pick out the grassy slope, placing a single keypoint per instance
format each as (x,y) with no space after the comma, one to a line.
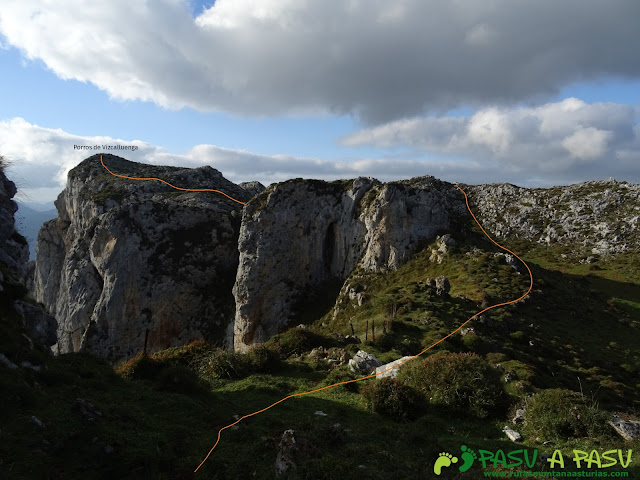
(156,431)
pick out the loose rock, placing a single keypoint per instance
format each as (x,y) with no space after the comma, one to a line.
(364,363)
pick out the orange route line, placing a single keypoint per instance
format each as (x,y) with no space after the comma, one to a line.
(466,199)
(172,186)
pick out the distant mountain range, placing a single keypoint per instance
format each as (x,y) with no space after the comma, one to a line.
(29,219)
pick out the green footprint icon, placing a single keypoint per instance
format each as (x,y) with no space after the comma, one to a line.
(444,460)
(468,457)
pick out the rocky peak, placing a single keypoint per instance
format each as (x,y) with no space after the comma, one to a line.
(254,188)
(127,256)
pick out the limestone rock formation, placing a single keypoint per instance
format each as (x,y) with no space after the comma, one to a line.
(125,256)
(299,236)
(253,188)
(14,252)
(14,255)
(627,429)
(602,216)
(393,365)
(364,363)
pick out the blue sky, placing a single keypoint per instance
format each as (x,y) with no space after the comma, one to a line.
(276,89)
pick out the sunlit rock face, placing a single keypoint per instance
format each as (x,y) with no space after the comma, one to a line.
(301,235)
(126,256)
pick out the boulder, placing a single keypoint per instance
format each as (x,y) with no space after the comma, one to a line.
(512,434)
(6,362)
(442,285)
(391,373)
(519,416)
(364,363)
(286,453)
(627,429)
(86,410)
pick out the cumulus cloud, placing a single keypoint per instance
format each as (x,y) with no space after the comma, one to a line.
(377,59)
(562,142)
(567,140)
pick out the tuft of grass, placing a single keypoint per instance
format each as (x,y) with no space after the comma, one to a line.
(559,414)
(296,341)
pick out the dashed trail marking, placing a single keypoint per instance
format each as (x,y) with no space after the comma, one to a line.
(172,186)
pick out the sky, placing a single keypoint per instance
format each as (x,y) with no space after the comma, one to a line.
(535,92)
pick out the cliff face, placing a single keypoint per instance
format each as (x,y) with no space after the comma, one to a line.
(14,251)
(14,254)
(125,256)
(303,234)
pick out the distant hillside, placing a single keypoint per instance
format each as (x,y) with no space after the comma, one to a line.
(28,223)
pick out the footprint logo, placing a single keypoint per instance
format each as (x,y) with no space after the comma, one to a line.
(468,456)
(444,460)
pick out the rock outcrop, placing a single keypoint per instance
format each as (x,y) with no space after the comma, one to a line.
(301,235)
(600,216)
(14,255)
(14,251)
(382,372)
(125,256)
(364,363)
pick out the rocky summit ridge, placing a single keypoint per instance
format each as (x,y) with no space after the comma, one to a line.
(126,257)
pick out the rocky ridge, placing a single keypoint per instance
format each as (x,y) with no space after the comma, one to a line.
(602,217)
(126,256)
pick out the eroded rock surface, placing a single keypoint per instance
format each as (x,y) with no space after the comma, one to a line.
(125,256)
(14,255)
(302,236)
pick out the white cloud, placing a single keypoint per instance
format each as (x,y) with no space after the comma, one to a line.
(587,143)
(565,140)
(373,58)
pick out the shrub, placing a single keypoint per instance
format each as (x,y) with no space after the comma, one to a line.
(262,359)
(141,367)
(187,355)
(393,398)
(295,341)
(459,380)
(342,374)
(221,363)
(560,414)
(385,342)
